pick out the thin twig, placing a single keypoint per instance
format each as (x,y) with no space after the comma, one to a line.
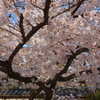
(37,6)
(10,32)
(65,10)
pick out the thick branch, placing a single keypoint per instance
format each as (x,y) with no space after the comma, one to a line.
(20,45)
(70,59)
(16,50)
(21,26)
(3,63)
(63,79)
(3,69)
(46,11)
(72,76)
(17,76)
(6,68)
(35,93)
(48,91)
(78,5)
(33,31)
(7,65)
(42,86)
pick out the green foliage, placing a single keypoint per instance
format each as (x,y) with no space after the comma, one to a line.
(94,96)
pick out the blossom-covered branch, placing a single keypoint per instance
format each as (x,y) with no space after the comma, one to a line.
(8,64)
(69,62)
(33,31)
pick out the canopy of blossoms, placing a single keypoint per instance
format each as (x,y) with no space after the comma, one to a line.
(42,41)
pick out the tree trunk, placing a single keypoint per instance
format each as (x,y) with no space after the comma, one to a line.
(49,95)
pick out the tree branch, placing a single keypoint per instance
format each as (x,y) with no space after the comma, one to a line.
(64,70)
(16,50)
(63,79)
(65,10)
(48,91)
(46,11)
(35,93)
(37,6)
(7,65)
(78,5)
(6,68)
(33,31)
(9,32)
(71,58)
(21,26)
(3,63)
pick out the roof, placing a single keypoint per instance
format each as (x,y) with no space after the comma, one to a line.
(15,93)
(25,93)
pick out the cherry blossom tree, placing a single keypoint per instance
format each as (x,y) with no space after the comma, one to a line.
(44,42)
